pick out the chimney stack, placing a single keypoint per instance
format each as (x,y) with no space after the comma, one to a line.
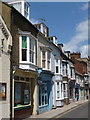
(75,55)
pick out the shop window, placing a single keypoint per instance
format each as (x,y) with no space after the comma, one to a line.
(22,93)
(2,91)
(24,48)
(43,95)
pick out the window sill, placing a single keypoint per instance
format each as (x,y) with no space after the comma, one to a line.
(43,106)
(22,106)
(59,99)
(26,62)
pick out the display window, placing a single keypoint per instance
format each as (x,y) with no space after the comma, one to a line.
(43,94)
(22,93)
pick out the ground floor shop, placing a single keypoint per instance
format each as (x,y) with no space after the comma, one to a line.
(57,88)
(24,90)
(45,91)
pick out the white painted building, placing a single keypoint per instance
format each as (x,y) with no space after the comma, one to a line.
(56,67)
(5,49)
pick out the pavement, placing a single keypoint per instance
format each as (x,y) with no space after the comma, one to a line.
(60,110)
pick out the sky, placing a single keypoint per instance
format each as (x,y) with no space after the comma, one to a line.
(68,21)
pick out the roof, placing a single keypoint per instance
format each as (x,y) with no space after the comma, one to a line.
(79,73)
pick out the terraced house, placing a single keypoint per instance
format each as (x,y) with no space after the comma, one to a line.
(40,74)
(23,62)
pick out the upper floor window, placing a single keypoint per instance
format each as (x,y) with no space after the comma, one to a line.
(46,56)
(26,10)
(27,49)
(31,50)
(57,66)
(64,69)
(43,59)
(57,71)
(24,48)
(48,60)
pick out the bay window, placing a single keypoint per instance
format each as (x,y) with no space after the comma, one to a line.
(31,46)
(27,49)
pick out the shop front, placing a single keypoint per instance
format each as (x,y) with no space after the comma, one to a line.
(24,85)
(45,92)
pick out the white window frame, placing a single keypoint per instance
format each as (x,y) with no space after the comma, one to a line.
(44,94)
(46,60)
(28,54)
(57,65)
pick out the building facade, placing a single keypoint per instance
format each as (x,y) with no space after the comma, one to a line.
(23,63)
(5,50)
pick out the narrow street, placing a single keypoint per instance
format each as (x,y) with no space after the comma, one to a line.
(77,112)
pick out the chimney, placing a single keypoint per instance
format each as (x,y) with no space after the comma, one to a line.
(60,46)
(75,55)
(67,53)
(53,39)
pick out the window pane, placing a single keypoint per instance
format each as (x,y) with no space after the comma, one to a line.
(58,94)
(43,63)
(56,69)
(43,55)
(24,55)
(24,42)
(32,57)
(46,101)
(43,100)
(48,65)
(26,93)
(48,55)
(17,93)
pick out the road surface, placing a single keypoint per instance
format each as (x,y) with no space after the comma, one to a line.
(80,111)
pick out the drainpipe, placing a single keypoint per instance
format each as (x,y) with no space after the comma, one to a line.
(11,69)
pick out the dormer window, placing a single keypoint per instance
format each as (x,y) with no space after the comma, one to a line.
(26,10)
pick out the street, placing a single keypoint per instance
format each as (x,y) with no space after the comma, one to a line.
(78,112)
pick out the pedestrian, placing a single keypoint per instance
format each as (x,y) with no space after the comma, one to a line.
(77,96)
